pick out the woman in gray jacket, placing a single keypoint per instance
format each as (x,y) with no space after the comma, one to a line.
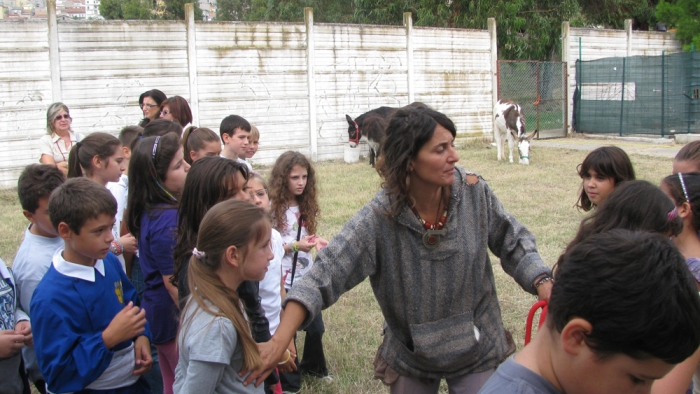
(423,241)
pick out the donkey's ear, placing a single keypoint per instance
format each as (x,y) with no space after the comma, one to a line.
(350,121)
(532,135)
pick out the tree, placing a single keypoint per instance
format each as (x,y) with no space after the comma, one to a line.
(111,9)
(175,9)
(325,11)
(231,10)
(684,15)
(126,9)
(527,29)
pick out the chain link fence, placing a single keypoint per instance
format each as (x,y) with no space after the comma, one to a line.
(540,89)
(658,95)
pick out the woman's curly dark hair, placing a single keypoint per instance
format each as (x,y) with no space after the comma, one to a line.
(409,129)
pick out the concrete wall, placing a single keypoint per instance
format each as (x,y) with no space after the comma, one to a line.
(295,81)
(592,44)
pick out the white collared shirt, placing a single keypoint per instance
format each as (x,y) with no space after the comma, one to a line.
(74,270)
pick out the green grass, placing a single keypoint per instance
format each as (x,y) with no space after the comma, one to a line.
(541,196)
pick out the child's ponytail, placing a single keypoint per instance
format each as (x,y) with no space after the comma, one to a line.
(195,138)
(102,145)
(229,223)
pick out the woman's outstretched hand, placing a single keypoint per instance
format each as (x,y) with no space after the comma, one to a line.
(270,352)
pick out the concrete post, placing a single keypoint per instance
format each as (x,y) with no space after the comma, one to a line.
(567,61)
(54,58)
(408,24)
(628,29)
(192,61)
(494,65)
(313,139)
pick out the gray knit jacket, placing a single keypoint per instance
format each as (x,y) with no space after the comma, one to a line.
(431,299)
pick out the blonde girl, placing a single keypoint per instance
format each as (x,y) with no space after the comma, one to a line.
(272,290)
(215,341)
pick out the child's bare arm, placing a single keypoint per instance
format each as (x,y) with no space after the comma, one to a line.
(172,290)
(127,324)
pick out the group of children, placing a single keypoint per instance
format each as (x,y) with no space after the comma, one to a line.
(116,280)
(625,305)
(165,249)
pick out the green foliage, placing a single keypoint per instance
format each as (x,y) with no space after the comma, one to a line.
(127,9)
(175,9)
(337,11)
(527,29)
(111,9)
(612,13)
(684,15)
(231,10)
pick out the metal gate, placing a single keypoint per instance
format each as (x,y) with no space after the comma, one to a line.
(541,90)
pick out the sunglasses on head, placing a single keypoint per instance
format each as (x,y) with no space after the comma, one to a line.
(60,117)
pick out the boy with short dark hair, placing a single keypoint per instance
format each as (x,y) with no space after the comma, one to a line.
(234,131)
(623,311)
(35,185)
(89,333)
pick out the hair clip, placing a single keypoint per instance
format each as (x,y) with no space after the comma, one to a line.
(685,191)
(198,254)
(155,148)
(673,214)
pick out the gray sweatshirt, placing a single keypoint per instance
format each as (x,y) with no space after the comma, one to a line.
(431,299)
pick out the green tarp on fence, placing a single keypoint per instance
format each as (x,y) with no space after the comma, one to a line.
(656,95)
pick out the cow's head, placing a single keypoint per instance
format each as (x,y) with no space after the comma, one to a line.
(353,132)
(524,147)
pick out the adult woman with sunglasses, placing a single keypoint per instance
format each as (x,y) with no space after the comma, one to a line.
(59,138)
(150,103)
(177,110)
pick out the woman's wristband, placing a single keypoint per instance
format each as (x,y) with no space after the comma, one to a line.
(542,280)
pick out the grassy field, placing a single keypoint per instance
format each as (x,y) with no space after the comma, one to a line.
(541,195)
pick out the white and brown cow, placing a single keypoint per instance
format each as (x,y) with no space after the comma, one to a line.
(509,124)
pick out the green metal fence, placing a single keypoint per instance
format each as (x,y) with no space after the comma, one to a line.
(656,95)
(540,89)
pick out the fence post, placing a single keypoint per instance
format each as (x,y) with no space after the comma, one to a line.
(628,30)
(565,58)
(311,83)
(622,98)
(663,92)
(408,24)
(494,62)
(54,58)
(192,61)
